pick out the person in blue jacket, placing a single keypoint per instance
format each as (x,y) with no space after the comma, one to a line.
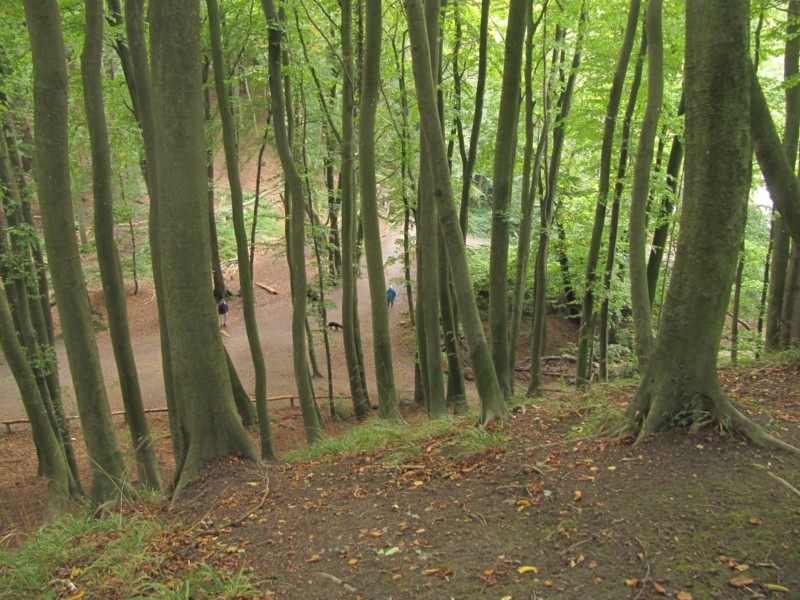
(391,294)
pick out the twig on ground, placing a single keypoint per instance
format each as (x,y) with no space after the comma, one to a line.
(250,511)
(338,581)
(780,480)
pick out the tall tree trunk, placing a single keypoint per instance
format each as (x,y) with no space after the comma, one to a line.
(492,402)
(640,186)
(456,394)
(503,178)
(53,180)
(428,257)
(664,222)
(477,116)
(790,311)
(782,184)
(36,329)
(613,226)
(297,237)
(134,27)
(107,253)
(531,168)
(240,231)
(548,210)
(204,400)
(681,377)
(780,235)
(348,201)
(220,290)
(382,346)
(583,369)
(778,266)
(52,459)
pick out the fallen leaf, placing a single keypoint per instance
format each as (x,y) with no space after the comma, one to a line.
(683,596)
(444,572)
(254,483)
(659,588)
(576,497)
(76,595)
(612,468)
(397,577)
(593,564)
(352,562)
(632,582)
(741,581)
(756,521)
(742,567)
(774,587)
(314,558)
(76,572)
(527,569)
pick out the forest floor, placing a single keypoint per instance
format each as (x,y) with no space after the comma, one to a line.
(543,506)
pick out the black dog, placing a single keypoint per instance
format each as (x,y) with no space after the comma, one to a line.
(334,326)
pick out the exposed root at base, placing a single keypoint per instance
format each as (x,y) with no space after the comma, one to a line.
(724,412)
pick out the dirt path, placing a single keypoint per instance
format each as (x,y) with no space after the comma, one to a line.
(273,313)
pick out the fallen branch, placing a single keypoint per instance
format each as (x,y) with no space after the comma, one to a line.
(118,413)
(742,323)
(338,581)
(267,288)
(780,480)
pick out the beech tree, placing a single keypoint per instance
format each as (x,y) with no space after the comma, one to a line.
(504,156)
(384,369)
(107,253)
(237,202)
(615,97)
(640,186)
(295,201)
(52,459)
(493,404)
(206,413)
(54,190)
(680,381)
(348,206)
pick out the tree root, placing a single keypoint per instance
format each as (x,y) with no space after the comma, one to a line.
(780,480)
(722,410)
(729,416)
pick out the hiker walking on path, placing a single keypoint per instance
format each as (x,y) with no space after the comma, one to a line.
(391,294)
(222,310)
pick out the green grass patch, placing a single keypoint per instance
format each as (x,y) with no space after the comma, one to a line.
(374,435)
(406,440)
(117,556)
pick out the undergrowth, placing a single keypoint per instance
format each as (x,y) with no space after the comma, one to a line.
(113,557)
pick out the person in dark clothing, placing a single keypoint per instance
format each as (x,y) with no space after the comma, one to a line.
(222,309)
